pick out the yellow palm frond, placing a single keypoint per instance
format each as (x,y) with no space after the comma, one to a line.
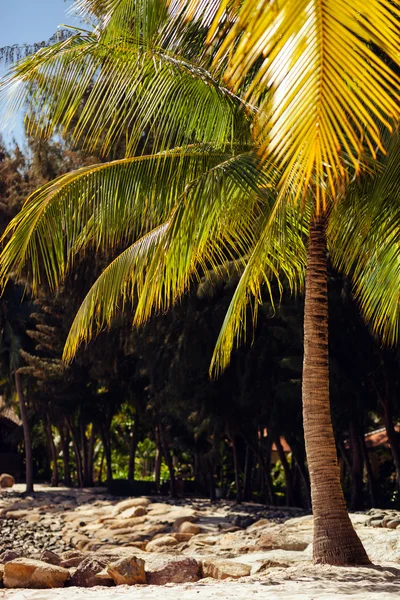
(324,74)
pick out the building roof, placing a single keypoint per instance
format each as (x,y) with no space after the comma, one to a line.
(8,413)
(378,437)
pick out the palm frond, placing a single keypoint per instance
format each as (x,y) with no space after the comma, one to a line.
(327,76)
(124,18)
(103,206)
(280,249)
(111,291)
(364,243)
(103,93)
(202,233)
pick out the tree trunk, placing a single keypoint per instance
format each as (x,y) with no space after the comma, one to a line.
(64,436)
(53,450)
(27,434)
(357,468)
(101,468)
(157,465)
(107,453)
(370,473)
(133,446)
(78,459)
(392,435)
(90,458)
(298,458)
(335,540)
(168,460)
(248,470)
(286,468)
(84,448)
(236,468)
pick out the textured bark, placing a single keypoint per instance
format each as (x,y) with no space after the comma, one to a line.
(27,434)
(335,540)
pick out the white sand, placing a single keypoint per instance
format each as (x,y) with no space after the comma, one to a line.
(303,582)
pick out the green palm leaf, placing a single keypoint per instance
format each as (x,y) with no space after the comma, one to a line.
(102,206)
(203,233)
(364,242)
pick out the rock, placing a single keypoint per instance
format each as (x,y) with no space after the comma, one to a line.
(79,541)
(183,537)
(138,545)
(187,570)
(86,573)
(203,540)
(162,543)
(393,524)
(376,522)
(123,523)
(222,569)
(270,564)
(130,503)
(158,508)
(6,480)
(280,542)
(127,571)
(185,519)
(104,578)
(133,511)
(30,573)
(1,575)
(9,555)
(50,557)
(188,527)
(73,558)
(258,524)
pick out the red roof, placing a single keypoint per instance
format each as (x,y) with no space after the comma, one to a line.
(374,439)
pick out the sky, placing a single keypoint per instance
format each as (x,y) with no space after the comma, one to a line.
(26,22)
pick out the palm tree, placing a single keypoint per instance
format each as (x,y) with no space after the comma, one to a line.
(316,95)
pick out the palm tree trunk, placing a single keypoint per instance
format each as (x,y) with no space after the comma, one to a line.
(335,540)
(27,434)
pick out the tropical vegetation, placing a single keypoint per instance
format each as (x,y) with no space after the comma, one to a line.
(243,135)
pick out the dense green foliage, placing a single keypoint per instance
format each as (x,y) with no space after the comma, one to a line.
(133,396)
